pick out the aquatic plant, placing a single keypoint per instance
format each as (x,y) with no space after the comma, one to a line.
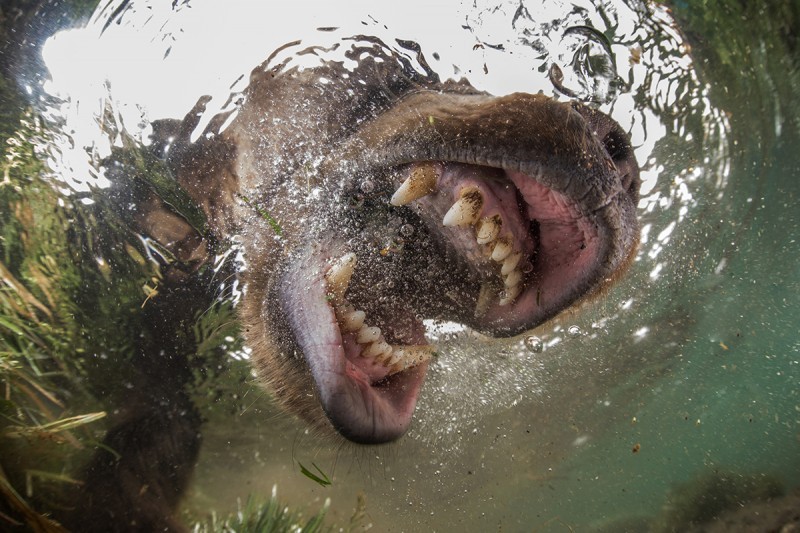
(269,516)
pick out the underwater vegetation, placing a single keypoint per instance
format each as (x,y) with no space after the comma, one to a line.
(84,299)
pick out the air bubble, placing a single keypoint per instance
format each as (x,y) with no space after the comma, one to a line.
(574,331)
(406,230)
(534,344)
(526,267)
(367,186)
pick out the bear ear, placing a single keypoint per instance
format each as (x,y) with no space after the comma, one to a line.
(171,137)
(202,168)
(182,190)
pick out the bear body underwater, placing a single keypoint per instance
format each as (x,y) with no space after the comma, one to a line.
(372,197)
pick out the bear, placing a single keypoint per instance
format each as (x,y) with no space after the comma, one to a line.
(368,196)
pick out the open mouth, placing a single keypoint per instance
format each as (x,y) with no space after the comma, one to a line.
(504,248)
(524,252)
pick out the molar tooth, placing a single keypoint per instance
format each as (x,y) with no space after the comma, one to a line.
(510,294)
(513,278)
(466,210)
(420,182)
(510,263)
(350,322)
(338,276)
(501,249)
(391,361)
(376,349)
(488,229)
(368,334)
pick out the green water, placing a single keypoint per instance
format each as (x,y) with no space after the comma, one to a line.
(689,366)
(716,384)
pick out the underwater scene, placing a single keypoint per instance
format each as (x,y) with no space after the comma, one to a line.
(474,266)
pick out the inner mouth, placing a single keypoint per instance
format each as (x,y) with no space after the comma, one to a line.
(514,252)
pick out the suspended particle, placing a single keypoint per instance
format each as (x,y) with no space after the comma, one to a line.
(367,186)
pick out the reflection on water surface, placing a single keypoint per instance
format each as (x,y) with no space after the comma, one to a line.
(685,369)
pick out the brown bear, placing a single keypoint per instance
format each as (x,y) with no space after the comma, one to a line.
(369,195)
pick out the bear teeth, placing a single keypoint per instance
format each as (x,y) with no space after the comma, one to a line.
(352,320)
(466,212)
(500,247)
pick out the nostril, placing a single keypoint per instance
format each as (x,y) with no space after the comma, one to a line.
(617,145)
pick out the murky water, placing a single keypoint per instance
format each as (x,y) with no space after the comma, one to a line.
(689,365)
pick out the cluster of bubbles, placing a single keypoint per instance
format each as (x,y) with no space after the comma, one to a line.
(535,344)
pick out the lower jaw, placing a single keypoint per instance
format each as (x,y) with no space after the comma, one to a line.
(364,407)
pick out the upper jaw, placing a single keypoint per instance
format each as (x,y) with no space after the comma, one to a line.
(530,134)
(552,155)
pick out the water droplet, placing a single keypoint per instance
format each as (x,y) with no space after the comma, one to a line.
(574,331)
(534,344)
(367,186)
(406,230)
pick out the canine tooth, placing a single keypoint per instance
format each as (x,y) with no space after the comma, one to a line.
(368,334)
(501,250)
(513,278)
(421,182)
(466,210)
(352,321)
(510,263)
(376,349)
(484,299)
(338,276)
(510,294)
(488,229)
